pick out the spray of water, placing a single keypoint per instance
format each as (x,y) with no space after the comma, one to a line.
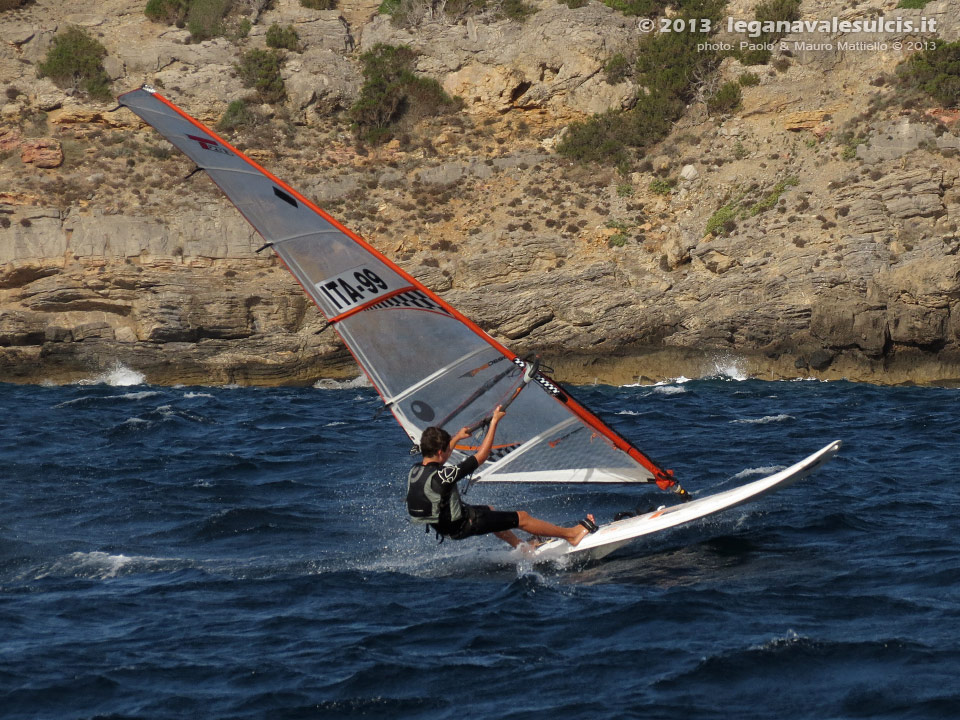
(117,376)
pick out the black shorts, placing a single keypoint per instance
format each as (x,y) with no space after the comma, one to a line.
(481,520)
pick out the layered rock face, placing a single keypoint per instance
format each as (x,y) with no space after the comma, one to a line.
(87,292)
(833,261)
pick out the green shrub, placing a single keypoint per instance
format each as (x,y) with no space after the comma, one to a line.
(574,4)
(749,79)
(260,69)
(462,8)
(167,11)
(319,4)
(777,11)
(617,69)
(598,139)
(76,60)
(726,99)
(724,220)
(770,199)
(516,10)
(12,4)
(205,18)
(241,30)
(770,11)
(406,13)
(757,56)
(283,37)
(661,186)
(934,72)
(637,7)
(667,66)
(237,115)
(912,4)
(401,12)
(391,91)
(850,144)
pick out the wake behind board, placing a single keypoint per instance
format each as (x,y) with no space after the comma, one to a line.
(617,534)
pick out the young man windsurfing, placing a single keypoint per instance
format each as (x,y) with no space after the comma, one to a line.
(433,497)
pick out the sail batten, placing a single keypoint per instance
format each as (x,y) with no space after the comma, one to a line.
(493,468)
(311,233)
(434,377)
(430,364)
(227,169)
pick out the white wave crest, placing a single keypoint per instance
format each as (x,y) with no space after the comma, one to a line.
(669,389)
(99,565)
(102,399)
(197,395)
(675,381)
(329,384)
(118,376)
(763,420)
(138,395)
(792,637)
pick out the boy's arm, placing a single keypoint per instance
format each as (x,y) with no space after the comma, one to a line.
(487,445)
(462,434)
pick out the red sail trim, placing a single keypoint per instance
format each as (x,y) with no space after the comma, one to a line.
(370,303)
(585,415)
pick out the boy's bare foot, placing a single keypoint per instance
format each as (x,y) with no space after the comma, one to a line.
(586,527)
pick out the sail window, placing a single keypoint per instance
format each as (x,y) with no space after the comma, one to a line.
(286,197)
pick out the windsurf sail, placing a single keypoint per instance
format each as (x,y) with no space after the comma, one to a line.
(430,364)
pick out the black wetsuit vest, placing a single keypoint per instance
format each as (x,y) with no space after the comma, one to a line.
(432,495)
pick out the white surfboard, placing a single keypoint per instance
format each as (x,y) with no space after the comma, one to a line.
(617,534)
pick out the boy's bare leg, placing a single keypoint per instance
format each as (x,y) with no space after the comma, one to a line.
(535,526)
(509,538)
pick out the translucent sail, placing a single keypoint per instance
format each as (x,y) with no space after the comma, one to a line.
(430,364)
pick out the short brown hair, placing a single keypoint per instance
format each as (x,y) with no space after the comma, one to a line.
(434,440)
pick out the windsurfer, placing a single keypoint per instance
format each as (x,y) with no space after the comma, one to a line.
(433,498)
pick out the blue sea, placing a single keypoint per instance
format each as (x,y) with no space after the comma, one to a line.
(235,552)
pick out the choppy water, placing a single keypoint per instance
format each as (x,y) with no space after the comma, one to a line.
(243,553)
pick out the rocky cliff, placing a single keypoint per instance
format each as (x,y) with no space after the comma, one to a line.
(837,257)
